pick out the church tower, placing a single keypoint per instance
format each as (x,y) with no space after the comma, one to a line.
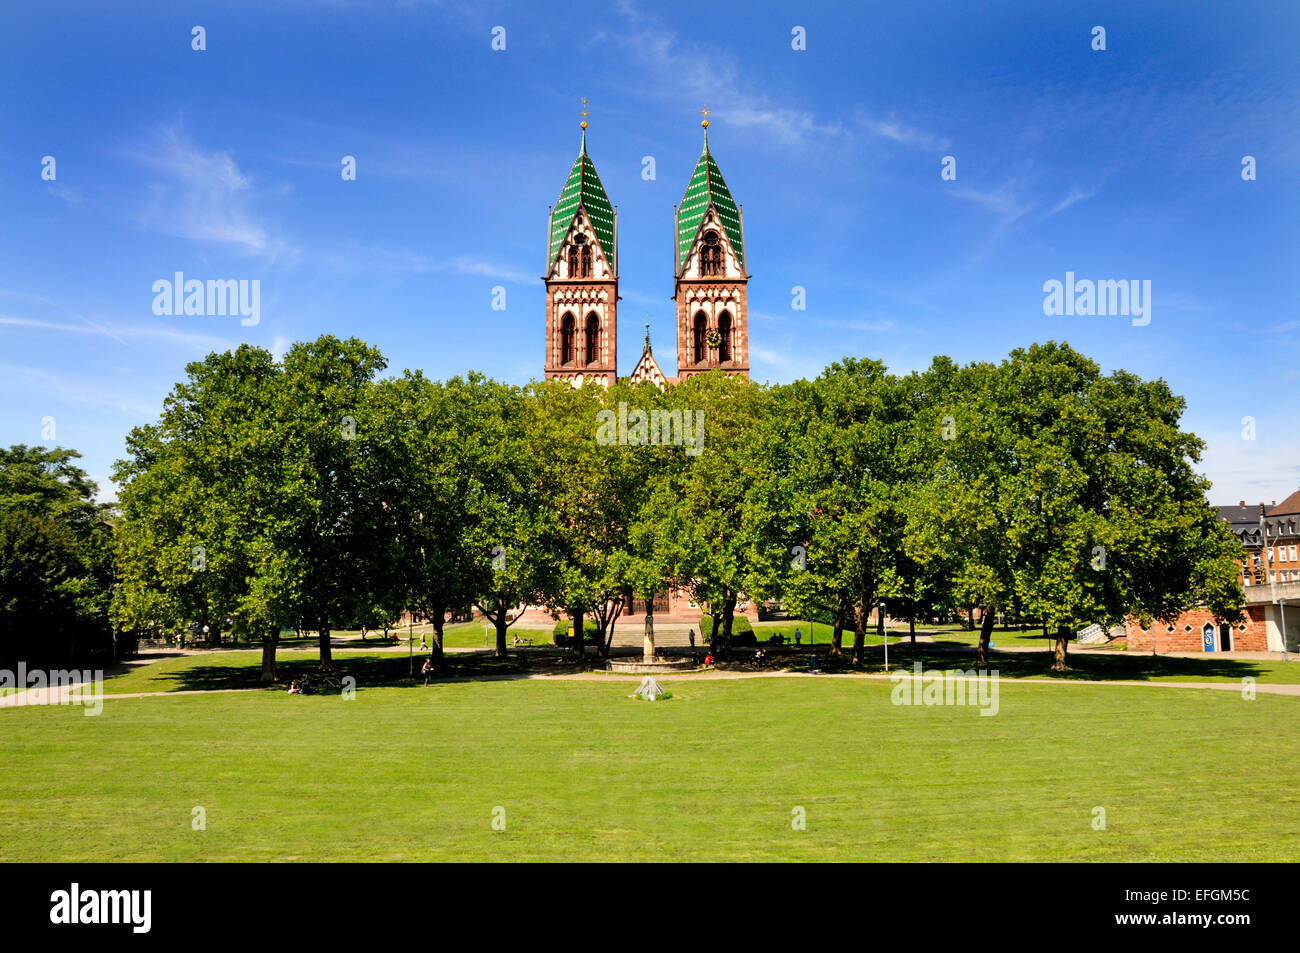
(582,279)
(710,277)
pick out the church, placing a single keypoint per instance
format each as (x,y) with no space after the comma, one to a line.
(709,286)
(709,279)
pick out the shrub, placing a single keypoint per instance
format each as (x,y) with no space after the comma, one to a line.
(560,634)
(740,626)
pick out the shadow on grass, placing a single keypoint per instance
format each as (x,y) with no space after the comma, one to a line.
(1081,665)
(368,671)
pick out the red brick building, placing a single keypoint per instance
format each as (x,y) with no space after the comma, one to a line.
(1270,577)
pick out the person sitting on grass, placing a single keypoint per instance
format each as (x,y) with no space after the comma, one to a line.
(294,688)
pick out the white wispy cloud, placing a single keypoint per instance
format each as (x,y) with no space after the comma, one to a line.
(1075,197)
(1003,202)
(857,324)
(369,259)
(73,387)
(904,134)
(124,333)
(202,195)
(686,72)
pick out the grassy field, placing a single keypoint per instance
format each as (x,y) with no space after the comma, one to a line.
(582,772)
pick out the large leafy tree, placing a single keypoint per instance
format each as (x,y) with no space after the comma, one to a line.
(846,487)
(1069,495)
(331,536)
(707,526)
(598,486)
(207,505)
(438,460)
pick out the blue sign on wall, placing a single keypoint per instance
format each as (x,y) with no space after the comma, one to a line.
(1207,635)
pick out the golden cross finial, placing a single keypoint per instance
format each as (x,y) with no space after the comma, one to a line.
(705,113)
(584,114)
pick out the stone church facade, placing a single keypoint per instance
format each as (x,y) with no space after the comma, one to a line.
(709,280)
(709,291)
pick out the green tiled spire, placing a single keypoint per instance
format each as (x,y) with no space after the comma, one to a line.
(707,188)
(583,188)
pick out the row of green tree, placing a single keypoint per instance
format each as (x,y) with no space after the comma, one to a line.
(56,560)
(312,492)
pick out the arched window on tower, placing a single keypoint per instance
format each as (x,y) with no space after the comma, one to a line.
(724,332)
(700,322)
(593,338)
(579,257)
(711,255)
(566,339)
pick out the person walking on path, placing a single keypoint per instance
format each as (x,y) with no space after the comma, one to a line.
(691,635)
(427,670)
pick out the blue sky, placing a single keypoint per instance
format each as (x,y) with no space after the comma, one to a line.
(225,163)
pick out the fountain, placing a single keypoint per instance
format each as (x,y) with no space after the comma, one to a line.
(649,663)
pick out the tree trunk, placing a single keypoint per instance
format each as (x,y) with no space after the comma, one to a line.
(501,625)
(326,656)
(578,623)
(837,635)
(970,618)
(439,659)
(728,613)
(715,633)
(986,633)
(911,629)
(648,631)
(861,619)
(268,657)
(1062,640)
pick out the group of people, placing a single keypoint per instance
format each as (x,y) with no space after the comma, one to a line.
(300,686)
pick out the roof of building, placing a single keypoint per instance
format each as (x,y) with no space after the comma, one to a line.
(647,368)
(1288,506)
(1239,513)
(583,188)
(706,188)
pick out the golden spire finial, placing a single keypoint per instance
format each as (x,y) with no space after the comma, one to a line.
(584,114)
(705,113)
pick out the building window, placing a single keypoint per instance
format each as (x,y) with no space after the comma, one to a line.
(593,337)
(580,258)
(1291,553)
(711,255)
(566,339)
(724,330)
(700,322)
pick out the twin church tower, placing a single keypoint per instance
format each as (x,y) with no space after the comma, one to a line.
(709,279)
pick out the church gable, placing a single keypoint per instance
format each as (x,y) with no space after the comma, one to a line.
(647,369)
(712,254)
(581,255)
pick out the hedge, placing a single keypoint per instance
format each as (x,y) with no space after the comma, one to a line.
(739,626)
(560,634)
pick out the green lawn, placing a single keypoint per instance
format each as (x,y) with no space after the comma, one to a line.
(584,773)
(815,633)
